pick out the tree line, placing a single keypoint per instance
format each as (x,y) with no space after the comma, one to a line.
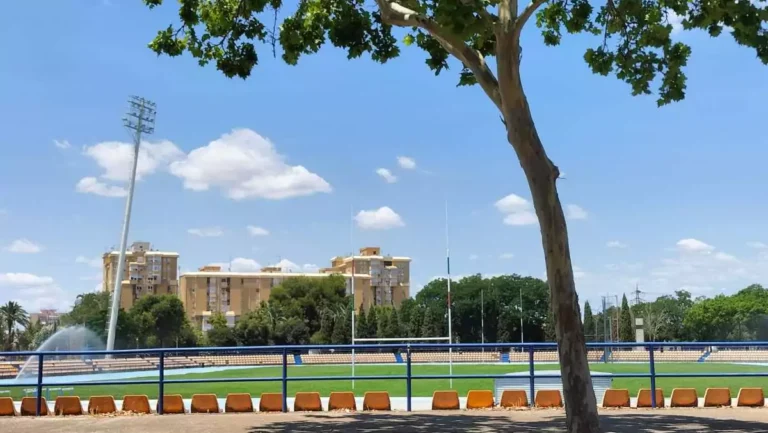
(318,311)
(742,316)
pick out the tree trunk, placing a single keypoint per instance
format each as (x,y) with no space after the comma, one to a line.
(542,174)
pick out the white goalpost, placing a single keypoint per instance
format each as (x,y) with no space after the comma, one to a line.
(398,340)
(447,338)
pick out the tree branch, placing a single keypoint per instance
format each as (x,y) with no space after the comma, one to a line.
(482,12)
(523,18)
(396,14)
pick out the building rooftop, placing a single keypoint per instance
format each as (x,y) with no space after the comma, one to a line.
(147,253)
(393,258)
(264,274)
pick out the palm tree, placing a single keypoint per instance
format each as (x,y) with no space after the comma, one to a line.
(12,314)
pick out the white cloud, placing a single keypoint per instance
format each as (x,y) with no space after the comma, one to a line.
(406,163)
(675,20)
(116,158)
(287,266)
(246,165)
(33,292)
(382,218)
(525,218)
(23,246)
(386,175)
(615,244)
(94,277)
(507,256)
(62,144)
(257,231)
(310,267)
(757,245)
(95,262)
(518,211)
(724,257)
(23,280)
(694,245)
(575,212)
(91,185)
(206,232)
(473,257)
(241,264)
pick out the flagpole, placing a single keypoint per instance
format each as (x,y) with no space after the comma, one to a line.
(352,244)
(450,324)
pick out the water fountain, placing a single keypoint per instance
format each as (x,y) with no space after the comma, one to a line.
(73,338)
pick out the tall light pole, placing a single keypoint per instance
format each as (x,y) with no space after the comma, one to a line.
(140,119)
(522,334)
(482,316)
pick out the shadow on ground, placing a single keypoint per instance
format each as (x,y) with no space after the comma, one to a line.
(431,423)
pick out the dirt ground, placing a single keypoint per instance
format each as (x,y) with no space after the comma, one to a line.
(624,421)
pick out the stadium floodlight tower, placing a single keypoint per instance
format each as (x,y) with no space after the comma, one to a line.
(140,119)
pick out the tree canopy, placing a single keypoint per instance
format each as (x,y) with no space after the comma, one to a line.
(633,39)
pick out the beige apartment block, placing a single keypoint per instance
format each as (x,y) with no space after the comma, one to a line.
(146,272)
(45,317)
(378,280)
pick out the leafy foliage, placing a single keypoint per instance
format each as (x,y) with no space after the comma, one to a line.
(589,323)
(626,324)
(636,43)
(12,314)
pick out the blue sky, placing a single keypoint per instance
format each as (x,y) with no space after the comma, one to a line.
(669,198)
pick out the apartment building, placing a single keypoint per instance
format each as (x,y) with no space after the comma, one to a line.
(389,276)
(45,317)
(378,280)
(146,272)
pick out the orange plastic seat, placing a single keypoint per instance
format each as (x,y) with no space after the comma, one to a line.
(307,402)
(7,407)
(101,404)
(342,401)
(644,398)
(204,403)
(548,398)
(136,404)
(238,403)
(271,402)
(68,405)
(616,398)
(717,397)
(376,400)
(750,397)
(173,404)
(445,400)
(684,397)
(480,399)
(28,405)
(514,398)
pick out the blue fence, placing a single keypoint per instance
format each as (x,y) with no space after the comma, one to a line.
(406,349)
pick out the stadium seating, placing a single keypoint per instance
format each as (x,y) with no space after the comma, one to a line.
(441,400)
(444,357)
(738,356)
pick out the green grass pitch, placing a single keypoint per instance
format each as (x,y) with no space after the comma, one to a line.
(421,387)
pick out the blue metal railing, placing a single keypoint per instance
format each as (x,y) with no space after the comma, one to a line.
(408,349)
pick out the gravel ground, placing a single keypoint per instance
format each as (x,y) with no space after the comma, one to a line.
(620,421)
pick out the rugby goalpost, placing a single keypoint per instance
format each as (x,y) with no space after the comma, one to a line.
(448,338)
(403,340)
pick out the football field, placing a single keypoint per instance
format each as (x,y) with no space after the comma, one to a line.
(397,386)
